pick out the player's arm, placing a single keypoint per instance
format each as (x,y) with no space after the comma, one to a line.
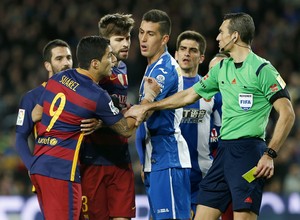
(175,101)
(23,149)
(151,89)
(25,127)
(284,124)
(283,106)
(125,126)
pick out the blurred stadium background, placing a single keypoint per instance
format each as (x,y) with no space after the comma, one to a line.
(27,25)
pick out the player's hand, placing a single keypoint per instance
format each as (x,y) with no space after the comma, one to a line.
(151,88)
(36,113)
(125,109)
(138,112)
(88,126)
(265,167)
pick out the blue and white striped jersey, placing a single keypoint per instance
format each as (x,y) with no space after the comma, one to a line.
(196,125)
(165,145)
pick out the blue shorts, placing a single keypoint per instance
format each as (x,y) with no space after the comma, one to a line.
(169,193)
(224,182)
(195,178)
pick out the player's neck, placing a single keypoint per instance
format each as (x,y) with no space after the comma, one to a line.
(156,56)
(88,74)
(240,55)
(189,73)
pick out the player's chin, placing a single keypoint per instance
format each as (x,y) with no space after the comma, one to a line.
(144,52)
(109,72)
(123,55)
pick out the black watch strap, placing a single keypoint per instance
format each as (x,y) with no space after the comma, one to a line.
(270,152)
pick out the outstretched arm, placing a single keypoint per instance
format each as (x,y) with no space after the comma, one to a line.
(177,100)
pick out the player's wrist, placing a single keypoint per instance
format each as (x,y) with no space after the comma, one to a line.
(150,96)
(270,152)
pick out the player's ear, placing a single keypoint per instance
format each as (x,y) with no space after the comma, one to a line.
(176,55)
(201,59)
(48,66)
(95,63)
(165,39)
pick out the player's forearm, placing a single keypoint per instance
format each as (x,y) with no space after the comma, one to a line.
(175,101)
(144,102)
(125,127)
(23,149)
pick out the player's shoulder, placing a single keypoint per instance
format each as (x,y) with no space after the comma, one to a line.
(166,66)
(33,93)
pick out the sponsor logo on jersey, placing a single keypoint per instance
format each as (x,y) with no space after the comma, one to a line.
(113,77)
(21,116)
(245,101)
(163,210)
(274,88)
(163,71)
(121,78)
(193,115)
(47,141)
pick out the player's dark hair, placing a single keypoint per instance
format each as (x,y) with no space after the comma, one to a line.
(192,35)
(47,50)
(243,24)
(161,17)
(115,24)
(89,48)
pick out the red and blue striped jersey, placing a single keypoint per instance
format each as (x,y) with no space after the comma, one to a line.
(24,124)
(104,146)
(69,97)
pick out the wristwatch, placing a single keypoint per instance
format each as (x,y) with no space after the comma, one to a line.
(270,152)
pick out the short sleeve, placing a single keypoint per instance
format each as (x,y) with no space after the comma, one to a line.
(208,86)
(270,81)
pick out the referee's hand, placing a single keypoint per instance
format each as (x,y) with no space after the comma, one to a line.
(265,167)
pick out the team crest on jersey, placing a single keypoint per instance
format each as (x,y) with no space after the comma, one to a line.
(245,101)
(160,79)
(21,116)
(113,109)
